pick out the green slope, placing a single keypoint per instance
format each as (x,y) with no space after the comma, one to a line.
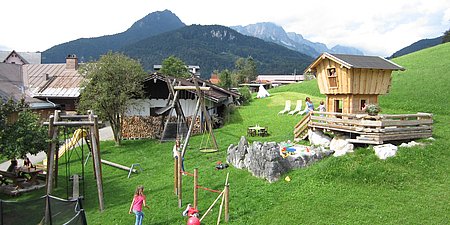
(411,188)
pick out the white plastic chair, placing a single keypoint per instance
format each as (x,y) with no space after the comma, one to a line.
(287,107)
(297,109)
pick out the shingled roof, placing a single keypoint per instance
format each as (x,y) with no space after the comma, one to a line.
(357,61)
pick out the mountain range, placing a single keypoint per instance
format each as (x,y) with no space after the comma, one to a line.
(91,48)
(274,33)
(418,45)
(161,34)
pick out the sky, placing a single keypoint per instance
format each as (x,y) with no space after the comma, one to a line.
(378,27)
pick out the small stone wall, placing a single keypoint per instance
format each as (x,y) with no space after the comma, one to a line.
(264,160)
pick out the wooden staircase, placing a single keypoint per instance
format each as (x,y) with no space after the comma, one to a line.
(301,128)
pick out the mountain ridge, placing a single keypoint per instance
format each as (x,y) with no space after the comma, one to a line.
(272,32)
(91,48)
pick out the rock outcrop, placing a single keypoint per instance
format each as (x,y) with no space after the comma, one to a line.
(264,160)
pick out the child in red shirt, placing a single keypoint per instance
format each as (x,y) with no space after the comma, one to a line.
(137,203)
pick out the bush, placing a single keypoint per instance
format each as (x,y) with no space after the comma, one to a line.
(246,95)
(373,109)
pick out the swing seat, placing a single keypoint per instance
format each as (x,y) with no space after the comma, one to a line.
(208,150)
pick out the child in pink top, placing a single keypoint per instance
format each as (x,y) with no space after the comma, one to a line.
(137,203)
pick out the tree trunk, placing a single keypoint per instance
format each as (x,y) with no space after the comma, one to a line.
(115,126)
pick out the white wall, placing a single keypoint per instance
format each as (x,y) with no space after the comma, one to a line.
(142,106)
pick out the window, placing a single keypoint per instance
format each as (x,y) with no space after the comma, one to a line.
(362,104)
(332,77)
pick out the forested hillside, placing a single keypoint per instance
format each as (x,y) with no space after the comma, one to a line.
(216,47)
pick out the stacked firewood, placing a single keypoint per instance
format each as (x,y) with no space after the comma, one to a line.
(141,127)
(149,126)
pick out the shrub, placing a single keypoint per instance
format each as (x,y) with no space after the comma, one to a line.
(246,95)
(373,109)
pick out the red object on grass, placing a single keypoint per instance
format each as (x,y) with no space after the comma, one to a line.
(193,221)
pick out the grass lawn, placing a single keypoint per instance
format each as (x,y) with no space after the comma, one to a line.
(411,188)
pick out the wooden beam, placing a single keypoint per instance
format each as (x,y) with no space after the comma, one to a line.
(96,158)
(191,88)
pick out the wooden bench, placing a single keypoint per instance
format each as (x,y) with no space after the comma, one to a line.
(6,176)
(75,187)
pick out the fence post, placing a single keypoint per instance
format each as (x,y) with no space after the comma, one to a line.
(227,200)
(195,187)
(175,175)
(180,182)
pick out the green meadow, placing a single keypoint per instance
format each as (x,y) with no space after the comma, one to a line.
(411,188)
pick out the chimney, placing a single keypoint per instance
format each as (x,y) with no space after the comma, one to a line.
(71,62)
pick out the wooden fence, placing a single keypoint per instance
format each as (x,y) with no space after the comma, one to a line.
(370,129)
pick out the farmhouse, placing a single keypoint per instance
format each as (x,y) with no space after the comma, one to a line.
(146,119)
(20,58)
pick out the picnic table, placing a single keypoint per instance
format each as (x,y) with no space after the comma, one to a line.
(32,172)
(257,131)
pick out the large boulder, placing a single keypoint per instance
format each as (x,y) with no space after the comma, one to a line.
(265,161)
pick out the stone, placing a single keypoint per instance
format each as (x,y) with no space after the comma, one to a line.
(385,151)
(263,160)
(317,137)
(341,146)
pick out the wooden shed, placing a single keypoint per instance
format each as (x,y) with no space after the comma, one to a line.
(349,81)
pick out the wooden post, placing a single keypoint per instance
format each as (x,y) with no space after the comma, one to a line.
(195,187)
(175,175)
(191,127)
(180,179)
(205,112)
(227,202)
(53,135)
(96,158)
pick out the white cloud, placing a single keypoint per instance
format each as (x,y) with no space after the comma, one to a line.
(377,27)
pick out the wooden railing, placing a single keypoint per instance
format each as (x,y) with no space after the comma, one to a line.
(374,129)
(301,128)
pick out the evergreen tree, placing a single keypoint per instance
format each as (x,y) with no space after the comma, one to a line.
(446,37)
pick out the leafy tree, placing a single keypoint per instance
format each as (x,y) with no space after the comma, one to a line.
(111,83)
(20,131)
(174,66)
(246,95)
(245,70)
(446,37)
(225,79)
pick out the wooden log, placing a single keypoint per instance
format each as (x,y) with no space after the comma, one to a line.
(386,123)
(117,165)
(191,88)
(212,205)
(75,186)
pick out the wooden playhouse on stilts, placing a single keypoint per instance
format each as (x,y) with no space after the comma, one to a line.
(350,82)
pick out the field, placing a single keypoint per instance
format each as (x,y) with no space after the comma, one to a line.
(411,188)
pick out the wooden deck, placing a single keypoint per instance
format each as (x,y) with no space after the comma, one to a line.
(369,129)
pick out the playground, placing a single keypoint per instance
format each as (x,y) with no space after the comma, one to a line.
(357,188)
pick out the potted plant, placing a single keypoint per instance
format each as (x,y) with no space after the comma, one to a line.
(373,109)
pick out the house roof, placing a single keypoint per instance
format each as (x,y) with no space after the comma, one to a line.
(357,61)
(12,84)
(52,80)
(216,94)
(26,57)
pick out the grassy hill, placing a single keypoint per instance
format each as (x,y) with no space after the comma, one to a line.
(411,188)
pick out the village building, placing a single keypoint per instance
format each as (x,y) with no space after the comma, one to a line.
(351,81)
(146,119)
(20,58)
(280,79)
(193,69)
